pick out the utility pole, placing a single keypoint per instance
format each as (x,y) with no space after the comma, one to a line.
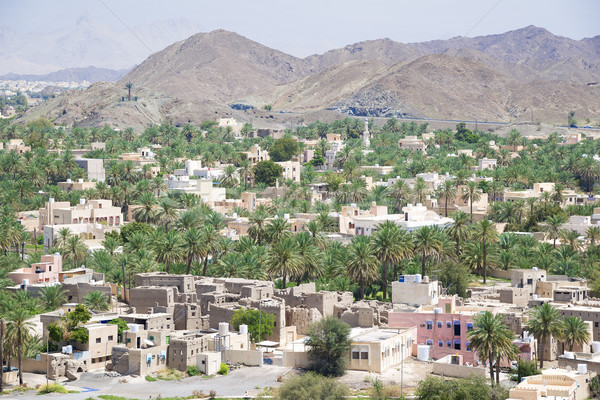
(1,352)
(402,371)
(259,318)
(47,355)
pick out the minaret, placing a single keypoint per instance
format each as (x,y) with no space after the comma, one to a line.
(365,136)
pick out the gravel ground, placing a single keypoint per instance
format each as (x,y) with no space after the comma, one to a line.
(248,380)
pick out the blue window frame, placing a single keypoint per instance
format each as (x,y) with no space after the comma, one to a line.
(468,346)
(440,343)
(429,342)
(439,324)
(448,324)
(429,324)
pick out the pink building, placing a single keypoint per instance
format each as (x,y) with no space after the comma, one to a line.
(45,271)
(442,328)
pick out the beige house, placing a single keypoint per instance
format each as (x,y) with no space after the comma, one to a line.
(414,289)
(17,146)
(412,143)
(256,154)
(553,384)
(102,338)
(69,185)
(376,350)
(291,170)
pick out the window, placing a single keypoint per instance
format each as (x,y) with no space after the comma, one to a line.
(468,346)
(439,324)
(429,342)
(440,343)
(449,344)
(469,326)
(151,337)
(364,355)
(128,340)
(448,324)
(429,325)
(110,338)
(530,281)
(98,340)
(457,345)
(355,355)
(595,324)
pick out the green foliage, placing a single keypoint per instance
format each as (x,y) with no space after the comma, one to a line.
(311,386)
(283,149)
(465,135)
(79,334)
(223,369)
(474,388)
(96,301)
(267,172)
(329,343)
(268,107)
(192,370)
(133,227)
(80,315)
(150,378)
(595,386)
(523,369)
(53,388)
(250,317)
(455,277)
(56,332)
(121,325)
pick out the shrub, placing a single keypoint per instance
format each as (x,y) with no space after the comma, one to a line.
(329,345)
(151,378)
(53,388)
(224,369)
(312,387)
(192,370)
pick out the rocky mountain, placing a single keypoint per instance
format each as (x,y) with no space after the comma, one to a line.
(89,74)
(507,77)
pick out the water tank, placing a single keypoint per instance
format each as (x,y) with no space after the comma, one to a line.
(223,328)
(570,355)
(426,279)
(234,215)
(69,349)
(535,296)
(25,282)
(51,200)
(534,268)
(437,310)
(423,352)
(135,328)
(582,368)
(417,278)
(286,216)
(81,201)
(595,347)
(401,278)
(243,329)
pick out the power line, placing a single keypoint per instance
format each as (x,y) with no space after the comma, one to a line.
(482,18)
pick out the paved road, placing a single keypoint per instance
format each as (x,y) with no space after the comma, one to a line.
(237,383)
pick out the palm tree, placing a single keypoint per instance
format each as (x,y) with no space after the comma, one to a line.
(18,331)
(471,194)
(593,234)
(486,233)
(283,258)
(53,297)
(129,86)
(245,171)
(419,189)
(111,244)
(363,265)
(514,138)
(400,192)
(229,180)
(492,339)
(388,249)
(167,212)
(552,227)
(74,249)
(544,322)
(147,211)
(257,225)
(589,169)
(277,229)
(459,231)
(447,192)
(192,246)
(168,248)
(575,331)
(96,301)
(210,245)
(428,244)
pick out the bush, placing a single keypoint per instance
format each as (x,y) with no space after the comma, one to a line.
(250,317)
(474,388)
(329,345)
(151,378)
(224,369)
(523,369)
(169,374)
(312,387)
(192,370)
(53,388)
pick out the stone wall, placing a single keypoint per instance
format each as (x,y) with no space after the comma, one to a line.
(145,297)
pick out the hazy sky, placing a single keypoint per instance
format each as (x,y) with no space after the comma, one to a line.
(304,27)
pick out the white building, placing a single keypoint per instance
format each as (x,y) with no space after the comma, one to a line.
(415,290)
